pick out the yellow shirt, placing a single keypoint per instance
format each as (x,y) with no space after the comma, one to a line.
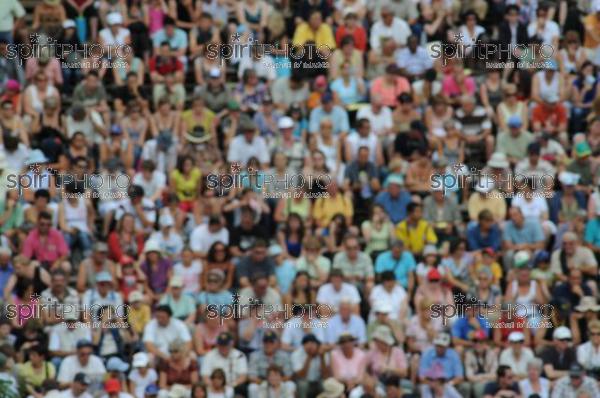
(138,318)
(321,37)
(186,188)
(36,377)
(494,267)
(492,202)
(205,121)
(325,208)
(415,238)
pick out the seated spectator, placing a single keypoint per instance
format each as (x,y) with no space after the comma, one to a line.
(161,331)
(232,361)
(178,368)
(575,383)
(504,384)
(421,233)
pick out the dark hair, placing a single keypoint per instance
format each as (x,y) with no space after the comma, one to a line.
(411,207)
(260,243)
(93,73)
(485,215)
(346,40)
(148,165)
(307,290)
(164,308)
(41,193)
(362,122)
(212,252)
(512,7)
(181,161)
(45,216)
(301,230)
(39,349)
(168,21)
(219,372)
(199,385)
(502,369)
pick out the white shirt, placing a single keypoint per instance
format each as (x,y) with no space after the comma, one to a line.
(69,394)
(110,39)
(141,382)
(550,32)
(161,337)
(15,161)
(158,181)
(93,297)
(416,63)
(171,245)
(234,365)
(202,239)
(533,208)
(70,366)
(355,141)
(398,31)
(121,395)
(380,122)
(328,295)
(396,297)
(587,356)
(241,151)
(264,67)
(190,275)
(293,332)
(519,367)
(65,339)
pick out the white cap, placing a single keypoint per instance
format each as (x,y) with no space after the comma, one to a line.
(114,18)
(166,220)
(140,360)
(382,307)
(514,337)
(285,122)
(522,257)
(442,339)
(568,178)
(68,24)
(215,72)
(176,281)
(134,296)
(152,246)
(562,332)
(485,184)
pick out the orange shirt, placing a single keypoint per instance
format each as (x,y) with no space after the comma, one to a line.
(591,22)
(556,115)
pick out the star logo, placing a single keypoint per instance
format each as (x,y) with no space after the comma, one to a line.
(235,297)
(459,297)
(36,168)
(458,167)
(458,37)
(35,297)
(236,168)
(236,37)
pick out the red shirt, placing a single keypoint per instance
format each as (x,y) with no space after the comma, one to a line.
(358,34)
(49,249)
(556,115)
(165,67)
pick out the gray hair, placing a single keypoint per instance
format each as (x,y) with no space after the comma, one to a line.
(536,363)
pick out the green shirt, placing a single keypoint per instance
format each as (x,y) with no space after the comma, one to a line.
(181,308)
(514,147)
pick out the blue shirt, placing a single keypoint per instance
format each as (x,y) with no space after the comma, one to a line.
(177,41)
(394,207)
(5,273)
(355,326)
(285,274)
(402,267)
(477,241)
(531,232)
(461,327)
(450,362)
(348,93)
(338,117)
(592,232)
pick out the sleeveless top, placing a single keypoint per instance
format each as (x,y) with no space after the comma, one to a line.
(76,216)
(23,283)
(529,297)
(253,18)
(545,87)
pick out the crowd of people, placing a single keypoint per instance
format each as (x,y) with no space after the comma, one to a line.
(308,198)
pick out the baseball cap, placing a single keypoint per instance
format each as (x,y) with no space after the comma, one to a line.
(100,247)
(116,364)
(135,296)
(562,333)
(582,149)
(434,275)
(270,336)
(576,370)
(442,339)
(68,24)
(140,360)
(224,338)
(534,148)
(103,276)
(114,18)
(515,121)
(84,343)
(326,97)
(176,281)
(516,337)
(82,378)
(285,122)
(112,385)
(522,258)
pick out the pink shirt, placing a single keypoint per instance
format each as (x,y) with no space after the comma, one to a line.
(49,249)
(389,94)
(53,71)
(348,368)
(378,361)
(450,87)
